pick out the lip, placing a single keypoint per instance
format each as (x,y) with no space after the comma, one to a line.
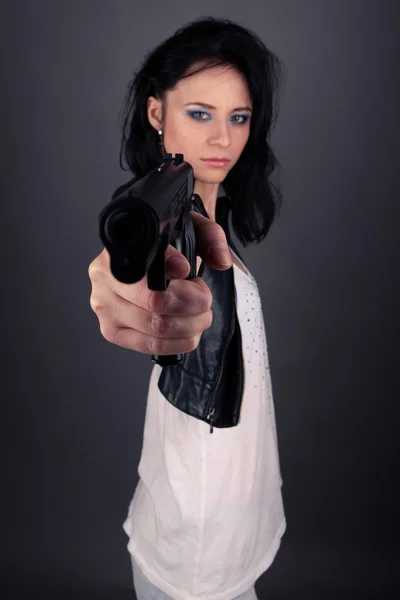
(218,162)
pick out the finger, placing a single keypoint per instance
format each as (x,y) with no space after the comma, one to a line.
(176,265)
(148,344)
(122,313)
(211,242)
(182,297)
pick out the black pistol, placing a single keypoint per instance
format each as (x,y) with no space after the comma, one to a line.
(138,224)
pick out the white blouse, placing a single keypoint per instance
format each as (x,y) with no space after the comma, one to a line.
(207,515)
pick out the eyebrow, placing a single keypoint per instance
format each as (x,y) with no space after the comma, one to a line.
(204,105)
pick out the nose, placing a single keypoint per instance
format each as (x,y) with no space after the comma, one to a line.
(220,135)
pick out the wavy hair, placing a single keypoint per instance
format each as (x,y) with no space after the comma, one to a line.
(254,200)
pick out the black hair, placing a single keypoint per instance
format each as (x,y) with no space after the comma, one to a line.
(253,198)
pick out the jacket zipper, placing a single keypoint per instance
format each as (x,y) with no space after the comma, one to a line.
(211,411)
(210,417)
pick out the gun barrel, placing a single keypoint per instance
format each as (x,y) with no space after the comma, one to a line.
(129,229)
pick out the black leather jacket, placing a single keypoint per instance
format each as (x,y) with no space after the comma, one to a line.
(208,384)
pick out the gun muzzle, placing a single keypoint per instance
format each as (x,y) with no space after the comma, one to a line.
(129,229)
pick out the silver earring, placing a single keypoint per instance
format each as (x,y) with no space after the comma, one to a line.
(161,143)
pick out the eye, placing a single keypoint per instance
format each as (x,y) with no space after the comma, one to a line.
(192,114)
(244,117)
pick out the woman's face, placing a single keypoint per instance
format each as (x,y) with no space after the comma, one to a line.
(220,129)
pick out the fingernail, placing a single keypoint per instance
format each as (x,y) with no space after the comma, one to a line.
(226,260)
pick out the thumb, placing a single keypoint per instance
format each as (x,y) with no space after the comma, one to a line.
(211,242)
(176,264)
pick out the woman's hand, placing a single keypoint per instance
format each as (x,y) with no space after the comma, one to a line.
(168,322)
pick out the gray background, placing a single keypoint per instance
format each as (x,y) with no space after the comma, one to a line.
(328,276)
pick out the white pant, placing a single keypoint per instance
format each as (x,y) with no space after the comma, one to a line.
(145,590)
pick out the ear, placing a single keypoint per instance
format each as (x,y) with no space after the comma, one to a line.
(154,112)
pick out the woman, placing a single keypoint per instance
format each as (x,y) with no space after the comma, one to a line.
(207,516)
